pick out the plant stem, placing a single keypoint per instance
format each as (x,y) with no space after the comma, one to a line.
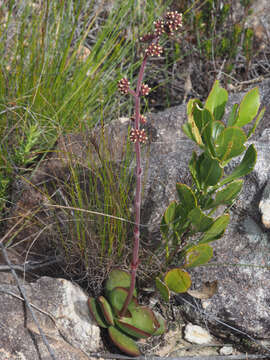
(137,203)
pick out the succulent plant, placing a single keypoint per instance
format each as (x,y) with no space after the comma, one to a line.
(139,322)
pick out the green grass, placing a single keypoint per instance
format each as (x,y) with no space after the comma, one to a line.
(46,89)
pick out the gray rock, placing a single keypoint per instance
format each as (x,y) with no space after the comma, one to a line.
(63,316)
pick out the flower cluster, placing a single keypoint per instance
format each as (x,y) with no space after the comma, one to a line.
(159,27)
(147,37)
(137,135)
(172,22)
(123,86)
(154,50)
(142,119)
(145,89)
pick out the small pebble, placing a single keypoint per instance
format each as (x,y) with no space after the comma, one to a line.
(197,335)
(264,206)
(226,350)
(265,210)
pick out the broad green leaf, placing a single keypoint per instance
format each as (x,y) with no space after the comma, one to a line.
(210,171)
(227,195)
(190,106)
(245,167)
(177,280)
(217,128)
(261,113)
(141,324)
(169,214)
(201,117)
(193,127)
(163,289)
(216,101)
(187,129)
(230,143)
(174,222)
(123,342)
(199,221)
(217,230)
(233,115)
(117,298)
(186,196)
(195,113)
(106,310)
(96,313)
(168,219)
(118,277)
(204,119)
(198,255)
(248,108)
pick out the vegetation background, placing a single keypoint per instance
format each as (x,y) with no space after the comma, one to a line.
(60,64)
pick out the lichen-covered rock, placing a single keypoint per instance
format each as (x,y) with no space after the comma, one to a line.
(62,312)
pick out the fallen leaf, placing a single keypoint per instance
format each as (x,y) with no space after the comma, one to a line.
(208,290)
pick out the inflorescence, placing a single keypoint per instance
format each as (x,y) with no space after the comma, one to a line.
(169,24)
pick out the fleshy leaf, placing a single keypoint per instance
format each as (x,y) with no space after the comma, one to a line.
(217,128)
(123,342)
(106,310)
(210,170)
(217,230)
(141,324)
(248,108)
(192,128)
(216,101)
(228,194)
(118,277)
(169,214)
(245,167)
(206,120)
(230,143)
(162,324)
(117,299)
(177,280)
(199,221)
(233,115)
(187,129)
(163,289)
(96,313)
(186,196)
(173,221)
(198,255)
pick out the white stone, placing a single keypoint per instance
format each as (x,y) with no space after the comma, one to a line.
(197,335)
(264,207)
(226,350)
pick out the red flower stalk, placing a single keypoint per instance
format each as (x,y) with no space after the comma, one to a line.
(169,24)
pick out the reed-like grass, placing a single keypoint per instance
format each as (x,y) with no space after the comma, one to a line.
(59,66)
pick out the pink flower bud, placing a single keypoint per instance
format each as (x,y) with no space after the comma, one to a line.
(123,86)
